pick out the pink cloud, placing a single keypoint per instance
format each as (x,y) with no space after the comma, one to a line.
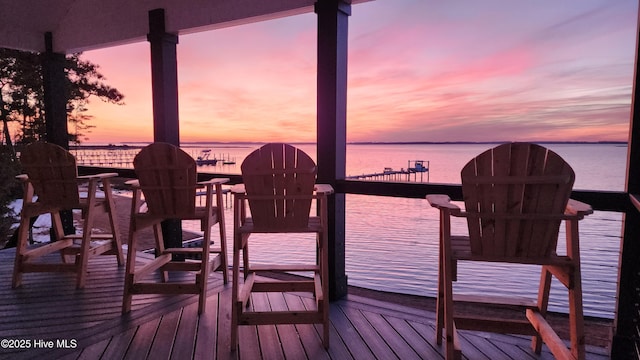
(418,71)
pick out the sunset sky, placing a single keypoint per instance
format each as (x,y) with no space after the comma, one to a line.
(419,70)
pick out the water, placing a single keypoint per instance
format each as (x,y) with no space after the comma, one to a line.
(392,243)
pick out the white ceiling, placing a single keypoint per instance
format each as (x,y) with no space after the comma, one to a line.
(79,25)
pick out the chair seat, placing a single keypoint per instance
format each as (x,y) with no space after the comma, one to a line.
(461,250)
(147,218)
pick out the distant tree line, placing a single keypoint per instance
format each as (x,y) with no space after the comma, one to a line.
(22,104)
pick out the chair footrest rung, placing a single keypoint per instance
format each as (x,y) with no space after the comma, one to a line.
(186,251)
(46,249)
(496,300)
(148,268)
(182,266)
(494,324)
(283,268)
(283,286)
(164,288)
(549,336)
(93,236)
(48,267)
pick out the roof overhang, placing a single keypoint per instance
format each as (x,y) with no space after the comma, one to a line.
(80,25)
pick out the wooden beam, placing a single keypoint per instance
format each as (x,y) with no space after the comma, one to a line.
(332,127)
(626,342)
(54,80)
(164,80)
(55,95)
(164,83)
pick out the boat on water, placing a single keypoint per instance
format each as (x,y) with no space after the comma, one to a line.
(203,158)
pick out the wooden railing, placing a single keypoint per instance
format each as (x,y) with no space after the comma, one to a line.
(616,201)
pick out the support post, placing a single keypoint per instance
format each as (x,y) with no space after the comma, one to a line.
(626,338)
(54,82)
(164,82)
(333,18)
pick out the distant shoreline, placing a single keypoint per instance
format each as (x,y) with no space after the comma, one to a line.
(244,143)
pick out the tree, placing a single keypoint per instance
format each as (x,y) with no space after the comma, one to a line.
(9,190)
(22,94)
(22,102)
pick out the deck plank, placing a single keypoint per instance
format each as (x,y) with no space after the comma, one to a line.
(159,326)
(288,334)
(118,345)
(165,336)
(270,343)
(186,333)
(94,351)
(391,336)
(142,340)
(377,344)
(418,340)
(310,335)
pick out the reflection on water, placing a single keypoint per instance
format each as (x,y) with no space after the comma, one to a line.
(392,245)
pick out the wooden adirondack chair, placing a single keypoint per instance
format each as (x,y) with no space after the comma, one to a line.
(51,184)
(516,195)
(279,186)
(167,178)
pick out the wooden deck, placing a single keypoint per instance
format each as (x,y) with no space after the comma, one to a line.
(57,321)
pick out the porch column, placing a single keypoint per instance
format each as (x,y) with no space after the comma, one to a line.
(164,82)
(333,23)
(55,95)
(54,80)
(627,321)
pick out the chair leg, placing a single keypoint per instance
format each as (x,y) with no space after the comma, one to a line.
(157,233)
(58,233)
(452,346)
(203,277)
(224,261)
(116,242)
(82,261)
(440,299)
(130,270)
(245,255)
(21,247)
(449,326)
(576,319)
(543,303)
(235,307)
(323,258)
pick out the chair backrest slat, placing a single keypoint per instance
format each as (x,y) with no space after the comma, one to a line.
(547,193)
(53,173)
(287,174)
(168,178)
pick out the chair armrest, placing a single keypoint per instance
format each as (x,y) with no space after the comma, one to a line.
(238,189)
(635,200)
(442,202)
(97,176)
(133,183)
(323,189)
(575,207)
(214,181)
